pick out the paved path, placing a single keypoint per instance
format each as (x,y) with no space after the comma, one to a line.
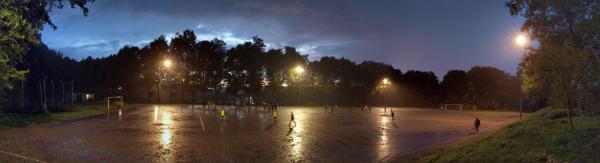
(173,133)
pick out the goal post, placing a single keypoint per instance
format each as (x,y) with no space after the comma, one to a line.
(456,106)
(118,104)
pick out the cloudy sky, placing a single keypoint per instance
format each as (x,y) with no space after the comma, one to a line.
(409,34)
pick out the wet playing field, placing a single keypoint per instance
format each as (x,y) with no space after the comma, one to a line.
(178,133)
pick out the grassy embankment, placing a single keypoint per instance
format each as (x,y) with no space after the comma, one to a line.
(73,112)
(542,137)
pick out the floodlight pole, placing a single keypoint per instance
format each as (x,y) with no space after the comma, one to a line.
(521,40)
(158,86)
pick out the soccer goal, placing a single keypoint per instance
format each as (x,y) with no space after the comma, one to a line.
(117,103)
(452,106)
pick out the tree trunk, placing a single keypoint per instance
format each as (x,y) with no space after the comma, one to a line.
(216,98)
(570,117)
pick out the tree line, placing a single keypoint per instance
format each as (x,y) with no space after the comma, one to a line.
(32,75)
(205,71)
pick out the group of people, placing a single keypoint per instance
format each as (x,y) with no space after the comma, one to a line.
(274,108)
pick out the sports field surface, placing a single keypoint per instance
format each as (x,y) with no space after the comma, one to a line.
(185,133)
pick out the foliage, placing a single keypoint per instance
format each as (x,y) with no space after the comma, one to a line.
(455,86)
(564,68)
(14,36)
(490,88)
(20,23)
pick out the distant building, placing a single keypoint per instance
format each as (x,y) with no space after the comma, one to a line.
(84,97)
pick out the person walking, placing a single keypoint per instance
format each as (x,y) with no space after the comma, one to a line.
(477,123)
(392,114)
(292,120)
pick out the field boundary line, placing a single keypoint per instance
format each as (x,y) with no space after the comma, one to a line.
(23,157)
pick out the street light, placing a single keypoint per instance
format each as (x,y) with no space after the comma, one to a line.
(522,41)
(384,83)
(299,69)
(166,64)
(285,85)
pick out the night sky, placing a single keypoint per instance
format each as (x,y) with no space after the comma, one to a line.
(425,35)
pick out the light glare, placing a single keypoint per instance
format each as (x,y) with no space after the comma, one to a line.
(167,63)
(299,69)
(521,40)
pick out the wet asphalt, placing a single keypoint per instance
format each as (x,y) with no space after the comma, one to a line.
(185,133)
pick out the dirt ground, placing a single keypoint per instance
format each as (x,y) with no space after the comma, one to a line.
(182,133)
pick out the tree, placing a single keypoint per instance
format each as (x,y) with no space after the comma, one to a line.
(212,59)
(571,29)
(245,67)
(151,58)
(487,86)
(565,71)
(421,87)
(20,23)
(183,48)
(369,77)
(454,87)
(275,71)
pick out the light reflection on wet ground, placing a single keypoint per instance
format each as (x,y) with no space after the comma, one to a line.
(173,133)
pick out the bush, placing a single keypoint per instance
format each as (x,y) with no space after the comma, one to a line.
(557,113)
(552,113)
(590,111)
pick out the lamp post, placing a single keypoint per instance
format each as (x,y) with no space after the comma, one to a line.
(522,41)
(285,85)
(299,70)
(384,83)
(166,64)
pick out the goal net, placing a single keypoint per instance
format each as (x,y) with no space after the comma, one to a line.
(452,106)
(114,103)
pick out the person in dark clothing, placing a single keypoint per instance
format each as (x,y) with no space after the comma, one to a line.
(477,123)
(292,121)
(393,115)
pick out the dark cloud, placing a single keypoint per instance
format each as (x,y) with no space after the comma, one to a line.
(425,35)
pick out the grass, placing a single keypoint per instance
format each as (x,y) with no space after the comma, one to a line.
(74,112)
(535,139)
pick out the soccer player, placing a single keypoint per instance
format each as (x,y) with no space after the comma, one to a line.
(275,115)
(222,113)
